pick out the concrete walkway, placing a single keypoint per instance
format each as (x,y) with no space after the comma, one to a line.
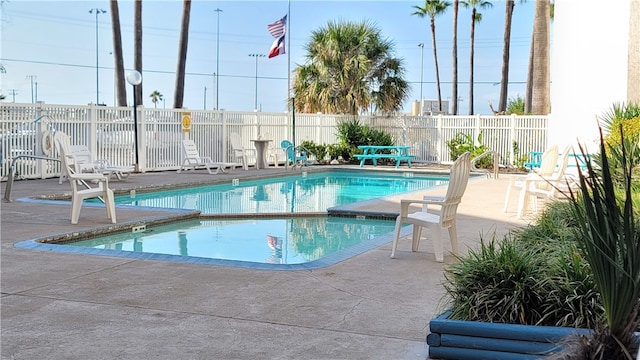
(74,306)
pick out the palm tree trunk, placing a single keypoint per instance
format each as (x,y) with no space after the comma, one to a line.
(540,90)
(137,45)
(471,53)
(528,97)
(435,58)
(120,85)
(178,94)
(504,82)
(454,81)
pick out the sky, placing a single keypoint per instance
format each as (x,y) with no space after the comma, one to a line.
(48,50)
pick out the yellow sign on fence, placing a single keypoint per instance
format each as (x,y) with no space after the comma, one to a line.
(186,122)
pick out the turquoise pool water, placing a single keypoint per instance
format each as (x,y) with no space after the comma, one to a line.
(298,240)
(315,192)
(279,241)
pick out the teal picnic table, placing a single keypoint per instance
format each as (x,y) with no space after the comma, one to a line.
(398,153)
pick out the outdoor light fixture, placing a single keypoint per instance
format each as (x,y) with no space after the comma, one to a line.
(135,78)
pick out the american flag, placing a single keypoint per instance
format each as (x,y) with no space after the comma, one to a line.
(278,28)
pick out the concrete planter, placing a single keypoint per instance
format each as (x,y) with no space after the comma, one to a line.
(474,340)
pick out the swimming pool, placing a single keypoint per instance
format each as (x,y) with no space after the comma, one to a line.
(267,224)
(300,193)
(291,243)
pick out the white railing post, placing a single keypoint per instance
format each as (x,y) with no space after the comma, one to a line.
(512,138)
(441,146)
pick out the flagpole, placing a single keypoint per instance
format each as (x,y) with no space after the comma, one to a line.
(289,72)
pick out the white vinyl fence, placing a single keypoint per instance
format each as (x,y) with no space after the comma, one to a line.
(109,133)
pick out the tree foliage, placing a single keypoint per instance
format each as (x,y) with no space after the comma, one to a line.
(349,69)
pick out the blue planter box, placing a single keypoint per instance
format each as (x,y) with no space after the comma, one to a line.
(474,340)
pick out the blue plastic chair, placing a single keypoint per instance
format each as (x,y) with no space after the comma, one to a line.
(295,156)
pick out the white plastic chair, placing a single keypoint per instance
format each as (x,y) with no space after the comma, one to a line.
(547,167)
(192,160)
(543,187)
(445,219)
(241,153)
(85,163)
(78,196)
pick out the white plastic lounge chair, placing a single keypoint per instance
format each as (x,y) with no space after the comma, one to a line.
(547,167)
(436,221)
(85,163)
(295,156)
(193,160)
(241,153)
(543,187)
(78,196)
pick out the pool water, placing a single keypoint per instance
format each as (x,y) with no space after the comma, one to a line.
(285,242)
(298,193)
(297,240)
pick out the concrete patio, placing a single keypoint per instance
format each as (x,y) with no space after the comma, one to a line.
(73,306)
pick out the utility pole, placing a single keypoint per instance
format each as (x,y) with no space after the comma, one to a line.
(97,12)
(256,56)
(32,78)
(217,73)
(13,93)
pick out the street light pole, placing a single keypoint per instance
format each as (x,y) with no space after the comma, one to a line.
(256,56)
(135,78)
(204,105)
(217,73)
(421,45)
(97,12)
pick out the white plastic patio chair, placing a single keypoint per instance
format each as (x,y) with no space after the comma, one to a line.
(540,186)
(78,196)
(547,167)
(193,161)
(436,221)
(241,153)
(85,163)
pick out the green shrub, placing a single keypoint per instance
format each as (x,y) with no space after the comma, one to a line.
(537,276)
(515,106)
(519,158)
(352,134)
(462,143)
(319,151)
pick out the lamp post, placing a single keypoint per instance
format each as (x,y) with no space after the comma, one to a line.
(204,105)
(97,12)
(135,78)
(256,56)
(217,73)
(421,45)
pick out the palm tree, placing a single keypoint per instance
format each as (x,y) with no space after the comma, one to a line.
(178,93)
(454,80)
(137,45)
(155,97)
(537,92)
(349,69)
(117,54)
(476,17)
(433,8)
(504,81)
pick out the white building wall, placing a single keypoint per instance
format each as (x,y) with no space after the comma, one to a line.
(589,65)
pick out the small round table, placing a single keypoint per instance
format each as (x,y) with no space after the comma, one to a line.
(261,152)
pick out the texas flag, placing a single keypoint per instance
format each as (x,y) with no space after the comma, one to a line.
(278,30)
